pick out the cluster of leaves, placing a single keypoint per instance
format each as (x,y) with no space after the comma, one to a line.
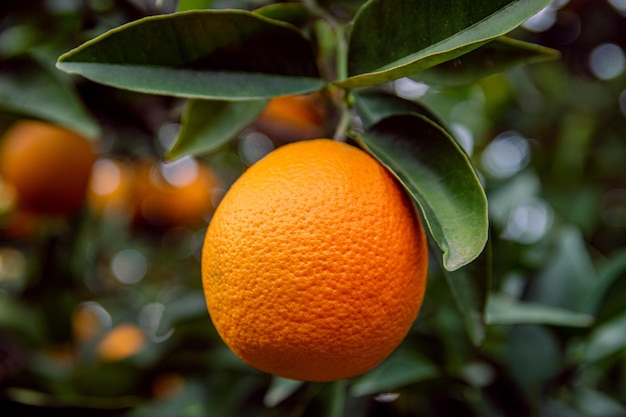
(542,336)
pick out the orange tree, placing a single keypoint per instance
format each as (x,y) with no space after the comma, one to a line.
(410,83)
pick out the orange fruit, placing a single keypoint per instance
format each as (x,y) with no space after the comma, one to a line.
(120,342)
(48,165)
(174,195)
(153,194)
(314,264)
(88,321)
(294,118)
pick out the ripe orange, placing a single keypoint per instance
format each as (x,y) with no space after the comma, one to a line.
(174,197)
(314,264)
(153,194)
(294,118)
(48,165)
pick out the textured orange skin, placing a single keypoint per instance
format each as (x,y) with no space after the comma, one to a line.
(314,264)
(49,166)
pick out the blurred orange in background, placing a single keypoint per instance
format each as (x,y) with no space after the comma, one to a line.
(47,165)
(120,342)
(296,117)
(150,193)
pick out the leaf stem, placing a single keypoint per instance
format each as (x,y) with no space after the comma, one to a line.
(345,116)
(337,398)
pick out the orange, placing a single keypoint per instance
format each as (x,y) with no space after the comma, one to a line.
(88,321)
(153,194)
(120,342)
(293,118)
(314,264)
(179,195)
(48,165)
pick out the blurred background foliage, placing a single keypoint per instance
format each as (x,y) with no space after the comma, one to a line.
(101,312)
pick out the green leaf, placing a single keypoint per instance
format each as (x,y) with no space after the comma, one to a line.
(28,88)
(607,340)
(608,296)
(279,390)
(439,177)
(397,371)
(206,54)
(374,105)
(184,5)
(505,310)
(533,354)
(470,288)
(209,124)
(597,404)
(294,13)
(397,38)
(569,278)
(497,56)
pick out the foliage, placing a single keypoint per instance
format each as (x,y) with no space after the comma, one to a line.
(524,313)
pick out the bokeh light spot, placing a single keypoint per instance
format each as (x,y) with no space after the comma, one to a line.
(180,172)
(506,155)
(106,177)
(129,266)
(607,61)
(12,264)
(528,222)
(254,146)
(409,89)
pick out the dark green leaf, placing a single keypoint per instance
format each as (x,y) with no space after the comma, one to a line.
(29,89)
(397,371)
(533,355)
(439,177)
(497,56)
(373,106)
(397,38)
(504,310)
(569,278)
(294,13)
(470,288)
(207,54)
(608,296)
(209,124)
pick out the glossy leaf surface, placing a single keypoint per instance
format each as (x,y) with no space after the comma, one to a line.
(504,310)
(497,56)
(397,38)
(373,106)
(29,89)
(211,54)
(439,177)
(398,370)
